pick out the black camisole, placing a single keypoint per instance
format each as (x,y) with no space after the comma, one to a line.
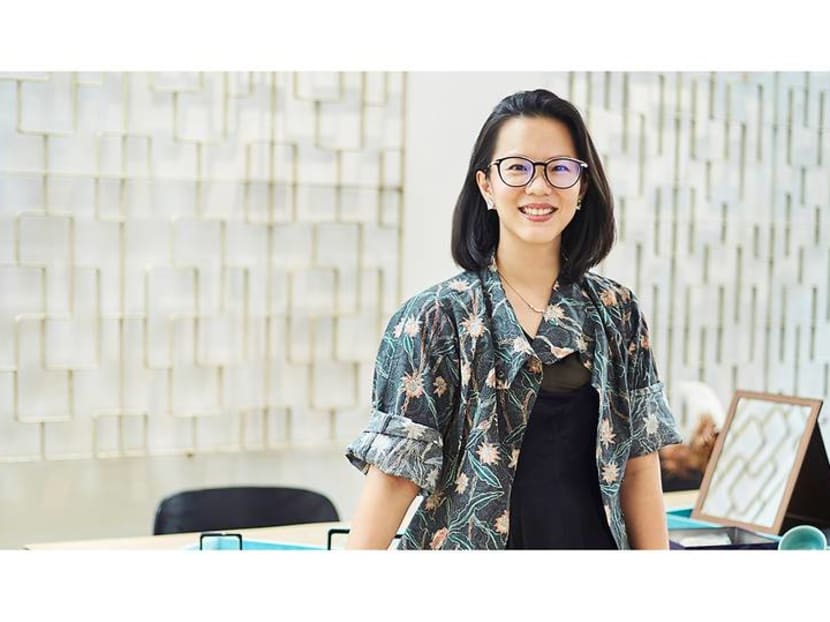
(555,501)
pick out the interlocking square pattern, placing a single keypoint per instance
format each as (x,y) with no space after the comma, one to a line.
(204,262)
(193,262)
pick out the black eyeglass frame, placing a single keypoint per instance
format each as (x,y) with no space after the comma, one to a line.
(583,166)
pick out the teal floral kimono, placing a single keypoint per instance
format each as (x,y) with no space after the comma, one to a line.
(456,379)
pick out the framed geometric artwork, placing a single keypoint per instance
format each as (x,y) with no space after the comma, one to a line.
(768,470)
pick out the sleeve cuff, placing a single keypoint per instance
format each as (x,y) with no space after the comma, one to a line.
(652,423)
(398,446)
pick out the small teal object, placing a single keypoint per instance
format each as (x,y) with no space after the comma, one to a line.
(803,538)
(681,518)
(221,541)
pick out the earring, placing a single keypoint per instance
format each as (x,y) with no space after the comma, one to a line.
(579,204)
(490,204)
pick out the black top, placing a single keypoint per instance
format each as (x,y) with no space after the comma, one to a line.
(555,501)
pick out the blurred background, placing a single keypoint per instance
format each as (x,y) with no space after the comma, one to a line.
(195,268)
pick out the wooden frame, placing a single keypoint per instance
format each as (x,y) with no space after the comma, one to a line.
(809,432)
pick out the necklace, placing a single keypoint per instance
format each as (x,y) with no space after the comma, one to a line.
(535,309)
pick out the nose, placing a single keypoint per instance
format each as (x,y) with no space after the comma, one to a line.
(538,185)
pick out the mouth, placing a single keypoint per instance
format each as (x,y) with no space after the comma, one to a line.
(538,211)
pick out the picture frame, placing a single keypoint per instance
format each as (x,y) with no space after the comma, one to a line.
(769,468)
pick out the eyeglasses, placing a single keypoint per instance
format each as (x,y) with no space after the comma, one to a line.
(561,172)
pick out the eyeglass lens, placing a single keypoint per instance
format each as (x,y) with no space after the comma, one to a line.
(561,172)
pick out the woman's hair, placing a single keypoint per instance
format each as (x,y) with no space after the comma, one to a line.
(586,240)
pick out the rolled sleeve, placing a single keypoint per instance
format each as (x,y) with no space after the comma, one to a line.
(413,395)
(653,425)
(398,446)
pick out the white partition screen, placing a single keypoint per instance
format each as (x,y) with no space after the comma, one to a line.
(193,262)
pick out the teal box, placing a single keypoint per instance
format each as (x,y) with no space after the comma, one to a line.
(682,528)
(680,518)
(235,542)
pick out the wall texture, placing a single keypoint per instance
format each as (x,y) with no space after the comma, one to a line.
(194,268)
(722,190)
(190,262)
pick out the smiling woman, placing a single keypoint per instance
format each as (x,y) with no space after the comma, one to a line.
(521,396)
(523,199)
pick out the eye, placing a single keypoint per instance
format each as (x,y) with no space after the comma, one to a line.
(561,166)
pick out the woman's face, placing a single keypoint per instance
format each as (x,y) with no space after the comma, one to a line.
(538,212)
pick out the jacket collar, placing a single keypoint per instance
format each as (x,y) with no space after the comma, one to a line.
(568,325)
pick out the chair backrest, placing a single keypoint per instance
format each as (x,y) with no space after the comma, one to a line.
(241,507)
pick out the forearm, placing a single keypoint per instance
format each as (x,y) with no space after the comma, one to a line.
(641,497)
(380,510)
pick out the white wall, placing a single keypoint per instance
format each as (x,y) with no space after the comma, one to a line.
(69,499)
(81,499)
(445,113)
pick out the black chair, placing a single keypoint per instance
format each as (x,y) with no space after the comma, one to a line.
(241,507)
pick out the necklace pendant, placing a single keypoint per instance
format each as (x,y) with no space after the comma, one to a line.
(523,299)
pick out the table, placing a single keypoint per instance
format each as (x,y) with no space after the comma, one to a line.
(314,534)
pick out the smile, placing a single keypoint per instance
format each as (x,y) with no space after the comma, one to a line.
(537,211)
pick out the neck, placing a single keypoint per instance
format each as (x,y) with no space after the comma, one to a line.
(529,266)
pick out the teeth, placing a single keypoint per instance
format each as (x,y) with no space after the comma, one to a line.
(533,211)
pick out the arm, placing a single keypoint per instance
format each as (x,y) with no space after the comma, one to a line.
(380,510)
(401,449)
(641,497)
(652,428)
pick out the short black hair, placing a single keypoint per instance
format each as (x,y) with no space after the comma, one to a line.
(586,240)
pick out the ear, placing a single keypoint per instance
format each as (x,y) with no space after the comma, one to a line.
(484,186)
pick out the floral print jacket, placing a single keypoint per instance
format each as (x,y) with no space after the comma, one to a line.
(456,379)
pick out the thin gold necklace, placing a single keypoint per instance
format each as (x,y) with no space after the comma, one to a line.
(536,309)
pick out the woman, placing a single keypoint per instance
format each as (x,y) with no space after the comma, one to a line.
(520,397)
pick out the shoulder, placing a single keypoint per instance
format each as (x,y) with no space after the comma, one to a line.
(435,307)
(446,295)
(618,300)
(610,292)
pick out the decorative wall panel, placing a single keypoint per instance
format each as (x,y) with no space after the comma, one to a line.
(204,262)
(722,188)
(193,262)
